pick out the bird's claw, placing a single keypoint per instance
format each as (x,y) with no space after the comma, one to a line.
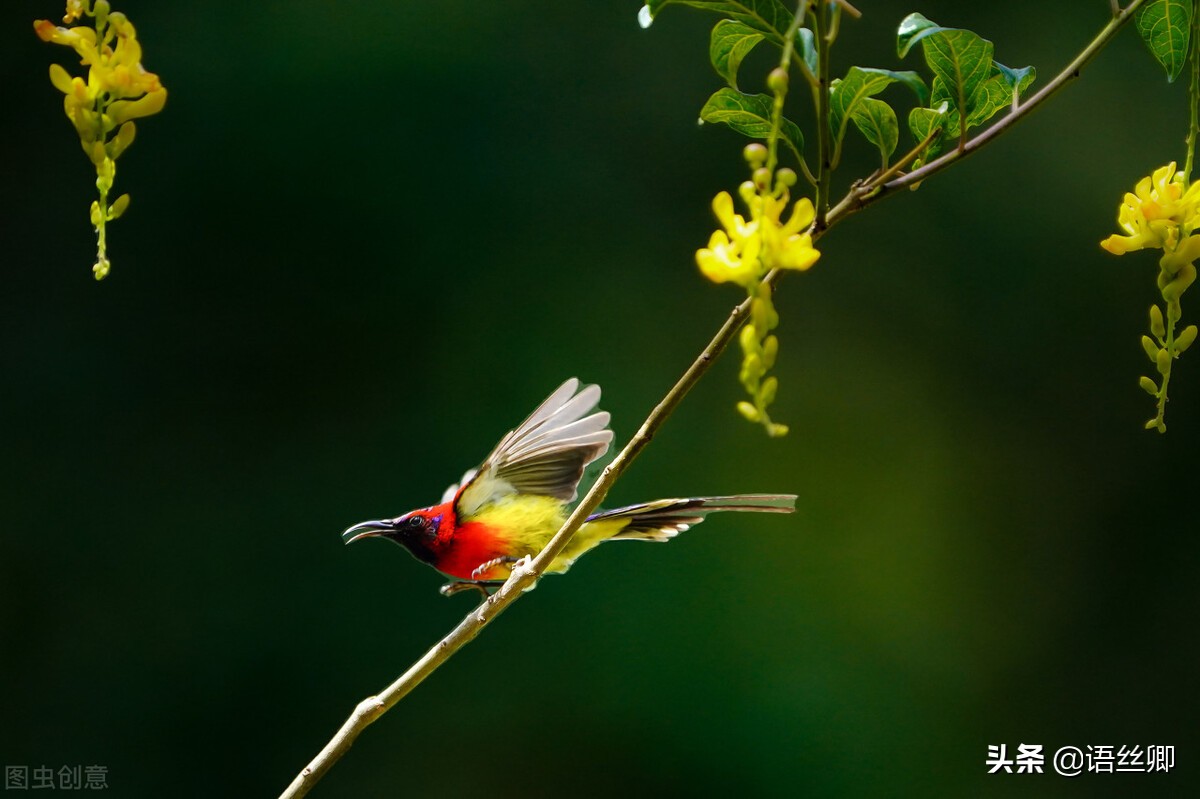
(487,566)
(521,567)
(484,587)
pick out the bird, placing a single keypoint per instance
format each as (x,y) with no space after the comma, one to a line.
(511,505)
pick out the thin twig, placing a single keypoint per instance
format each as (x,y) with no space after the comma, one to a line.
(1193,100)
(901,163)
(824,145)
(524,577)
(809,77)
(849,9)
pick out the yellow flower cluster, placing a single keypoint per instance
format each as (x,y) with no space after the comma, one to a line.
(743,252)
(118,90)
(759,350)
(1158,212)
(1161,213)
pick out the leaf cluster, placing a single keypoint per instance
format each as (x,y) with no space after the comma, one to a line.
(967,87)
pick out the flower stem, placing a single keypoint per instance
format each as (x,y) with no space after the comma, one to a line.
(785,61)
(1159,421)
(824,143)
(1193,100)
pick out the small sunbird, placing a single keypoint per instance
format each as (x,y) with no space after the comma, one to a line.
(513,504)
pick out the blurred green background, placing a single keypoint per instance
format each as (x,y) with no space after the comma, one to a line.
(367,238)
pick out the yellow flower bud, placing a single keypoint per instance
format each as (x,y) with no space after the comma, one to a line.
(755,154)
(1151,349)
(766,394)
(1149,386)
(749,411)
(118,207)
(61,79)
(752,366)
(748,340)
(759,310)
(1164,362)
(121,141)
(1156,322)
(776,430)
(1175,287)
(1185,339)
(748,194)
(770,349)
(96,153)
(106,169)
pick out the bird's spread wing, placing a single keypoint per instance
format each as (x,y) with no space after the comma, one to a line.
(452,490)
(545,455)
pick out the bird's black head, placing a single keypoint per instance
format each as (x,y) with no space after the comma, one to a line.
(417,531)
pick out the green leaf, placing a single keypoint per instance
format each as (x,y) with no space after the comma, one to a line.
(996,93)
(1165,26)
(729,44)
(877,121)
(1017,79)
(922,121)
(912,29)
(991,97)
(846,97)
(769,17)
(846,94)
(750,115)
(962,59)
(808,48)
(911,79)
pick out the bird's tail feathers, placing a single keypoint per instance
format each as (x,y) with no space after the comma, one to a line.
(664,519)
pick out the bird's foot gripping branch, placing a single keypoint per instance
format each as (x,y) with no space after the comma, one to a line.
(1161,214)
(516,504)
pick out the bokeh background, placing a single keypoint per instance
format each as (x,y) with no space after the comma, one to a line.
(368,237)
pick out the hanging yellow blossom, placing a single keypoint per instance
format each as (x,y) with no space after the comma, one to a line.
(1161,213)
(743,252)
(118,89)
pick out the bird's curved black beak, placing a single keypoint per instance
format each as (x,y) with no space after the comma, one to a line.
(367,530)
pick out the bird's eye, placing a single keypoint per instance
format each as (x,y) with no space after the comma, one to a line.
(415,521)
